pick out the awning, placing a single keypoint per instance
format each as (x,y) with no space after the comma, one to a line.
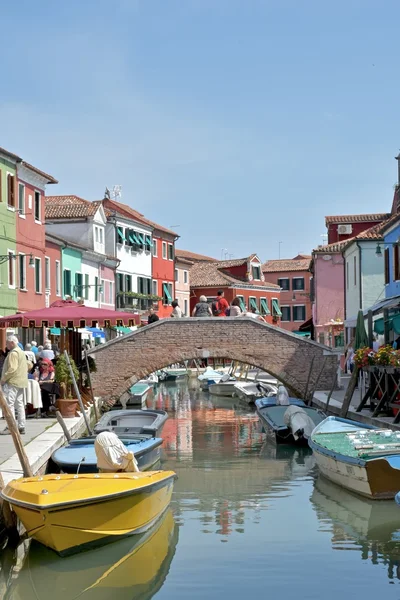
(276,310)
(242,304)
(55,331)
(306,327)
(132,237)
(264,307)
(148,240)
(166,292)
(140,237)
(96,332)
(392,302)
(123,329)
(394,324)
(253,304)
(121,233)
(302,333)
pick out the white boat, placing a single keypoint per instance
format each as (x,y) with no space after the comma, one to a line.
(209,377)
(223,388)
(249,391)
(132,422)
(360,458)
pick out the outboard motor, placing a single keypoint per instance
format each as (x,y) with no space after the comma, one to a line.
(282,397)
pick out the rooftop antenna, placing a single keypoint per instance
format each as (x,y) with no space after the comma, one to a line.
(324,238)
(279,249)
(223,250)
(116,192)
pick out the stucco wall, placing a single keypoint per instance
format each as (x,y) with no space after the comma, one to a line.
(392,288)
(329,288)
(72,260)
(373,279)
(352,281)
(8,296)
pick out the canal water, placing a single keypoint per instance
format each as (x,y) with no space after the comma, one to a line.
(248,519)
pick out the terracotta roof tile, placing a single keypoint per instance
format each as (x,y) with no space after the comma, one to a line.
(129,211)
(19,160)
(356,218)
(286,264)
(212,274)
(69,207)
(335,248)
(193,256)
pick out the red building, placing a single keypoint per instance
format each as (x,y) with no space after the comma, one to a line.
(344,227)
(294,278)
(163,267)
(241,277)
(53,252)
(33,268)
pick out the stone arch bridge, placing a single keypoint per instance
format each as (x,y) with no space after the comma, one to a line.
(124,360)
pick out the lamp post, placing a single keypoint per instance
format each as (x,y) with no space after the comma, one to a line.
(6,257)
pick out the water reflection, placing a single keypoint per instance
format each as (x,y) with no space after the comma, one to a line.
(369,527)
(131,569)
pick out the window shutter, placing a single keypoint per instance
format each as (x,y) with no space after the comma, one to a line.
(11,190)
(387,271)
(396,262)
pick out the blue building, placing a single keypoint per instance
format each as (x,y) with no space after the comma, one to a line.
(391,245)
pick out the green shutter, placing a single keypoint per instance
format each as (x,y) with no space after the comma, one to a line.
(67,282)
(86,287)
(253,304)
(140,237)
(242,304)
(96,289)
(275,308)
(264,307)
(121,234)
(166,292)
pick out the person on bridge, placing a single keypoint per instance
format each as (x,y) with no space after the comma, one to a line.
(153,318)
(235,310)
(202,308)
(176,310)
(220,305)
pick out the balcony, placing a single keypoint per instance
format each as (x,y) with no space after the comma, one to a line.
(134,301)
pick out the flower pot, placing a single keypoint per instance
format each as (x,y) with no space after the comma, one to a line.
(67,407)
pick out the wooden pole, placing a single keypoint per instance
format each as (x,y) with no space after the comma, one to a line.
(370,330)
(309,377)
(349,392)
(317,380)
(63,426)
(10,518)
(331,392)
(12,426)
(77,392)
(96,414)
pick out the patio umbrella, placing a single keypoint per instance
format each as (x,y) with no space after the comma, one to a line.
(70,314)
(361,338)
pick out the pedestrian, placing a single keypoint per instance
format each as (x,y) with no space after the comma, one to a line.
(34,347)
(350,357)
(46,375)
(220,305)
(31,356)
(2,359)
(47,352)
(14,379)
(177,311)
(235,310)
(202,308)
(153,318)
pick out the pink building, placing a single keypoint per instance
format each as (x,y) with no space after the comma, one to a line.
(107,277)
(327,295)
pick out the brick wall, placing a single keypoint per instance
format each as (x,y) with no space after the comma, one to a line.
(123,361)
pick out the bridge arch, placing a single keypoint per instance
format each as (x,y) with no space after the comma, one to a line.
(125,360)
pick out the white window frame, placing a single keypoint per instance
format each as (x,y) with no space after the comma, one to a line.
(298,289)
(155,248)
(170,246)
(111,292)
(284,279)
(256,265)
(37,258)
(21,210)
(58,278)
(186,307)
(291,312)
(164,251)
(39,220)
(101,236)
(102,293)
(47,274)
(176,275)
(11,261)
(96,234)
(21,255)
(185,276)
(154,284)
(298,306)
(9,207)
(29,201)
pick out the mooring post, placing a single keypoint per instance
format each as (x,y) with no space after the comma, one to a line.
(16,436)
(77,392)
(317,380)
(349,392)
(96,414)
(308,378)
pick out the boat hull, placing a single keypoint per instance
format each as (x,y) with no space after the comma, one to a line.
(222,389)
(132,422)
(81,524)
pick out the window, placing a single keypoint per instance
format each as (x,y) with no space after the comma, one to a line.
(47,273)
(21,199)
(86,287)
(58,278)
(242,303)
(37,206)
(120,235)
(339,340)
(185,277)
(96,234)
(387,272)
(96,289)
(284,283)
(164,249)
(102,289)
(186,307)
(264,307)
(299,313)
(120,282)
(11,190)
(22,272)
(101,235)
(148,243)
(67,282)
(355,269)
(170,252)
(177,275)
(155,288)
(312,289)
(111,292)
(155,248)
(256,272)
(298,283)
(11,269)
(286,316)
(321,338)
(253,304)
(276,311)
(167,293)
(128,283)
(78,285)
(38,276)
(396,265)
(144,285)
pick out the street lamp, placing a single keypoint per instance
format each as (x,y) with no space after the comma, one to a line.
(5,257)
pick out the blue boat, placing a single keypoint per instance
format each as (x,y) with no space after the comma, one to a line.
(80,454)
(272,417)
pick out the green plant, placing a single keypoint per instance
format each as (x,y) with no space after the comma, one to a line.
(63,376)
(92,364)
(139,296)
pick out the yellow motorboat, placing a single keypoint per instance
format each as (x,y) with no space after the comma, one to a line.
(132,568)
(70,513)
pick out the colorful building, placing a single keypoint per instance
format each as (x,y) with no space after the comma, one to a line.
(343,227)
(8,235)
(294,278)
(163,268)
(182,282)
(242,277)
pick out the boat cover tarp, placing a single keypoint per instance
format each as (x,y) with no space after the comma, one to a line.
(282,397)
(299,422)
(112,455)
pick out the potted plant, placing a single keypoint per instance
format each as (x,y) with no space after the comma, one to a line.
(66,404)
(364,358)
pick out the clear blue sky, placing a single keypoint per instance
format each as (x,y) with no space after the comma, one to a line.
(243,122)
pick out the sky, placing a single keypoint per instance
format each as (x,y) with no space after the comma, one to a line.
(242,123)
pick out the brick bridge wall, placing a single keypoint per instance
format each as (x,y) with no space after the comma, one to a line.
(124,360)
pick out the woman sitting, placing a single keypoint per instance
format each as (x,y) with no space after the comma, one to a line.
(46,376)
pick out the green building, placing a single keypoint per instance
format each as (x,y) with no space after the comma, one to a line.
(8,233)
